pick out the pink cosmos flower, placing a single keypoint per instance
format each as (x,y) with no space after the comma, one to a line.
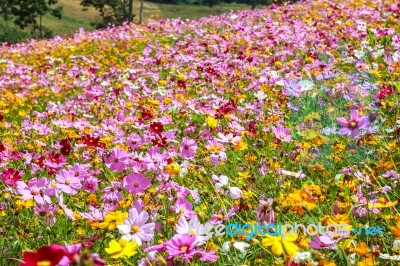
(185,208)
(323,242)
(188,148)
(67,182)
(113,193)
(282,133)
(117,160)
(10,176)
(36,189)
(136,183)
(90,184)
(182,245)
(352,126)
(135,227)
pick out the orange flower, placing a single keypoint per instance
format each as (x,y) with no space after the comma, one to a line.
(396,229)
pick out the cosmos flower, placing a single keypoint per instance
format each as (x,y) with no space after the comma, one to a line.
(136,183)
(135,227)
(282,133)
(188,148)
(193,227)
(67,182)
(117,160)
(46,255)
(351,127)
(121,249)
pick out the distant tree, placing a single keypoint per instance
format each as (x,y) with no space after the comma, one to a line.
(5,8)
(26,13)
(111,11)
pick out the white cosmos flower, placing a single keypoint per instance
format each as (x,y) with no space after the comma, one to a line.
(241,246)
(193,227)
(235,193)
(135,227)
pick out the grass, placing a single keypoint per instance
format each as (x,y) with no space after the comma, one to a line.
(73,16)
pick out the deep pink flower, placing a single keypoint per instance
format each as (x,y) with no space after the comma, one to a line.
(51,254)
(182,245)
(117,160)
(352,126)
(10,176)
(136,183)
(188,148)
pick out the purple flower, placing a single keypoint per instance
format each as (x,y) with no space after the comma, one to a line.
(112,194)
(136,183)
(35,189)
(188,148)
(67,182)
(352,126)
(282,133)
(182,245)
(90,184)
(117,160)
(322,242)
(135,227)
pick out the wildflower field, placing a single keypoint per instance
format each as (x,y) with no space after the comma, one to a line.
(131,145)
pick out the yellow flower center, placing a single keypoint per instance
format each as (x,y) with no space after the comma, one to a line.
(67,182)
(135,229)
(43,263)
(184,248)
(282,136)
(220,216)
(192,233)
(353,124)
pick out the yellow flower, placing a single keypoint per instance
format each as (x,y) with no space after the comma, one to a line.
(382,203)
(172,169)
(112,219)
(280,244)
(240,145)
(121,249)
(211,122)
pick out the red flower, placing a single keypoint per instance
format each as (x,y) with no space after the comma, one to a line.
(10,176)
(66,147)
(91,141)
(182,84)
(46,255)
(156,128)
(385,91)
(1,117)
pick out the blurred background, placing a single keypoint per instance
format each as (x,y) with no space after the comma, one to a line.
(26,19)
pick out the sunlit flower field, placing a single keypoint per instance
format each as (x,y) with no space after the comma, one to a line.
(128,146)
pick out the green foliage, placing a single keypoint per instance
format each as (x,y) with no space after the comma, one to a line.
(111,11)
(12,34)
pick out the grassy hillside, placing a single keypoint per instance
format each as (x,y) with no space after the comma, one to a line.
(74,17)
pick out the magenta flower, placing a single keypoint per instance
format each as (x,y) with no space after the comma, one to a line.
(90,184)
(188,148)
(182,245)
(322,242)
(36,189)
(10,176)
(352,126)
(282,133)
(136,183)
(113,193)
(67,182)
(117,160)
(135,227)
